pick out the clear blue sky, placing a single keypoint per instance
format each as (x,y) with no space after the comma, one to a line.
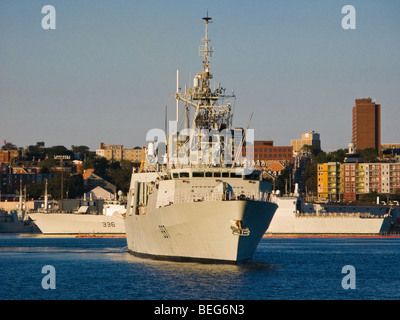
(108,70)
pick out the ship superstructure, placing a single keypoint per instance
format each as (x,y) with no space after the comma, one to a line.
(195,198)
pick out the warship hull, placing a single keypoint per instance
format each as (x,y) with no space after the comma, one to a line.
(200,231)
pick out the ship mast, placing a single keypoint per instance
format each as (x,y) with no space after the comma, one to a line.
(211,120)
(208,113)
(206,50)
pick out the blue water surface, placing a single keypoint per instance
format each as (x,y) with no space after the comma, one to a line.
(282,268)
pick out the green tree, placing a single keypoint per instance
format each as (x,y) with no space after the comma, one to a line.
(310,176)
(35,190)
(100,166)
(334,156)
(122,176)
(36,152)
(58,150)
(338,155)
(47,164)
(54,186)
(369,155)
(313,150)
(84,151)
(280,181)
(80,149)
(322,157)
(310,172)
(75,186)
(9,146)
(44,169)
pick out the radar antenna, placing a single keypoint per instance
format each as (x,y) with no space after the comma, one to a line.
(206,50)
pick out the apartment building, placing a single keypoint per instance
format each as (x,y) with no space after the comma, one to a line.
(264,150)
(352,180)
(347,181)
(118,153)
(311,139)
(329,181)
(367,124)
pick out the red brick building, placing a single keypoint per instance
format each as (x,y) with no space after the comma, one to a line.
(367,124)
(265,150)
(349,184)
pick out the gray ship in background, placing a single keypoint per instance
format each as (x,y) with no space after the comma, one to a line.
(88,218)
(16,221)
(82,222)
(85,217)
(296,217)
(99,217)
(13,222)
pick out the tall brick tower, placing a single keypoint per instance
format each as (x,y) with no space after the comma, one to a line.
(367,124)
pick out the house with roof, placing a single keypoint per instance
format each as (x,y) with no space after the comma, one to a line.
(97,187)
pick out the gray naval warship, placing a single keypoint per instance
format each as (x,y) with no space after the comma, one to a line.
(13,222)
(196,198)
(86,220)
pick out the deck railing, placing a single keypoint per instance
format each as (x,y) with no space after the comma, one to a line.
(199,197)
(363,215)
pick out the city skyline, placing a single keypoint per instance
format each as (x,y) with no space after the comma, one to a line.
(107,71)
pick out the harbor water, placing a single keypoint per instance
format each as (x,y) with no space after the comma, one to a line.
(282,268)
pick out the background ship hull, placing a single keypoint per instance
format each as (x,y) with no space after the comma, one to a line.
(18,227)
(294,216)
(328,225)
(69,223)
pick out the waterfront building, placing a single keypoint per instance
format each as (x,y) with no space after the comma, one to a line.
(347,181)
(390,151)
(264,150)
(389,146)
(352,182)
(269,159)
(118,153)
(367,124)
(10,183)
(311,139)
(328,176)
(6,156)
(92,180)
